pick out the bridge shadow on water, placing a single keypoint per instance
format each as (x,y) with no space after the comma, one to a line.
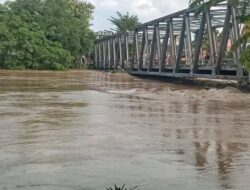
(197,83)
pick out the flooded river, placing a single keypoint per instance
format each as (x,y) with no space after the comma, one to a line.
(90,130)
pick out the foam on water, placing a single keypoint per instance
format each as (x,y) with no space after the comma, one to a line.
(125,92)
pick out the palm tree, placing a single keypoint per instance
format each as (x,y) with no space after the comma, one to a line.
(125,22)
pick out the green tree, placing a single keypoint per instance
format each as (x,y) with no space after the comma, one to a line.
(44,34)
(24,45)
(125,22)
(64,21)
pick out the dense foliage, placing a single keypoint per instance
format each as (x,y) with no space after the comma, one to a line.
(244,18)
(125,22)
(44,34)
(245,58)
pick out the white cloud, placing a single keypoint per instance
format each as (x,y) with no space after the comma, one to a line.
(110,4)
(145,9)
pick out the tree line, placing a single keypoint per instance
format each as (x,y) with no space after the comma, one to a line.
(53,34)
(44,34)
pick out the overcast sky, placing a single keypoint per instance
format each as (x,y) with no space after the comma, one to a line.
(145,9)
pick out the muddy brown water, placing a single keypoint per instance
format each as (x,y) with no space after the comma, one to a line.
(84,130)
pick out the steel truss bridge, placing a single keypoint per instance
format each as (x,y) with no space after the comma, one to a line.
(178,45)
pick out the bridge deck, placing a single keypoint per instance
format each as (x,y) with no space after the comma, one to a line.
(183,75)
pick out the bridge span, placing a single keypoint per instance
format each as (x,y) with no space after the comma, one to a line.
(179,45)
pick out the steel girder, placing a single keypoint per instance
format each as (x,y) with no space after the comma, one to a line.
(181,42)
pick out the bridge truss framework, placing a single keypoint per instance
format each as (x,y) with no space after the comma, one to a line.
(178,45)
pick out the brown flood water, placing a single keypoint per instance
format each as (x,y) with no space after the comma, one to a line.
(90,130)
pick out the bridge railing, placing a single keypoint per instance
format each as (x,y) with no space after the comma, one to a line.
(114,52)
(177,43)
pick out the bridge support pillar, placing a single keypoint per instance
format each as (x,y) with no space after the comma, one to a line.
(109,54)
(135,51)
(142,50)
(127,50)
(104,55)
(120,51)
(158,46)
(114,54)
(99,56)
(95,63)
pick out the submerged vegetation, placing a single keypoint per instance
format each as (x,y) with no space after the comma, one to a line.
(44,34)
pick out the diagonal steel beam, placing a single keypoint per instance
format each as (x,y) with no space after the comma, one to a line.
(198,43)
(211,42)
(158,46)
(189,48)
(172,43)
(224,39)
(181,45)
(165,48)
(152,53)
(147,48)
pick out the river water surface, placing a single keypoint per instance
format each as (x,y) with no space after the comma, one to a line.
(90,130)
